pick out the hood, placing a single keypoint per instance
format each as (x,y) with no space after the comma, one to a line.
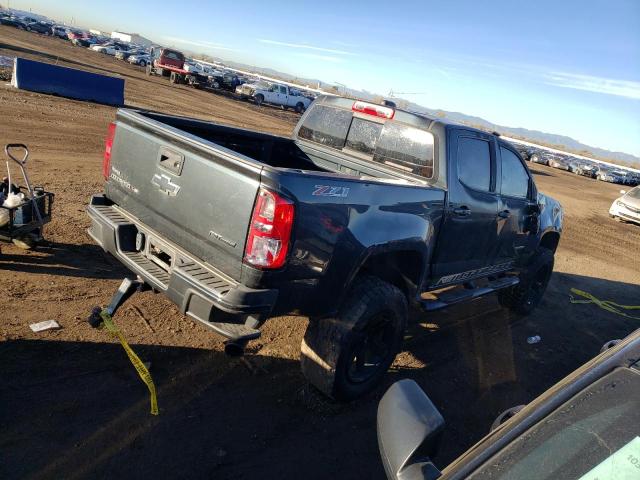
(630,201)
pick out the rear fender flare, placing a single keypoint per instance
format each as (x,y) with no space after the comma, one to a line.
(410,247)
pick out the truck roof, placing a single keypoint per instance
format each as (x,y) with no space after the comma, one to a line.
(418,119)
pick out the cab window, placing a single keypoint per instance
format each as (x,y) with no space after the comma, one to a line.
(515,180)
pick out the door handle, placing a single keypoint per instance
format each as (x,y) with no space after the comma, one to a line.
(504,214)
(463,211)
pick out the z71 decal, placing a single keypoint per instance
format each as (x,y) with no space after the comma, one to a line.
(329,191)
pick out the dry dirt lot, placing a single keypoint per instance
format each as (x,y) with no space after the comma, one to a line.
(71,405)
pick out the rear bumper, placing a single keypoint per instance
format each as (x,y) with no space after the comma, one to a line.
(198,289)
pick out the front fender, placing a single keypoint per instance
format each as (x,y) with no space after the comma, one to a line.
(551,216)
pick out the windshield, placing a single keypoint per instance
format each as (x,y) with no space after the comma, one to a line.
(594,436)
(634,193)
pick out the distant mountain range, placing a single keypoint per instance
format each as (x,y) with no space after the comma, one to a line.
(561,142)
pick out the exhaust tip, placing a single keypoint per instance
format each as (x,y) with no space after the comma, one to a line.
(234,349)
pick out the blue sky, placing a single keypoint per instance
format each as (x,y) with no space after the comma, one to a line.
(565,67)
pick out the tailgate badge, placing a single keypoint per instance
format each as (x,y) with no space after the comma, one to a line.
(165,185)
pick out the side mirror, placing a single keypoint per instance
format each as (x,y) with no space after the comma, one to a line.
(622,192)
(409,431)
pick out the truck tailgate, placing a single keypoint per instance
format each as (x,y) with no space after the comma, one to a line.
(188,190)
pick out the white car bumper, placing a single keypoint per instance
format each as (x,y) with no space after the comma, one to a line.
(624,212)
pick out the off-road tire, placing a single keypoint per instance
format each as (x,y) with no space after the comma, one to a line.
(299,107)
(173,78)
(259,99)
(525,297)
(143,63)
(330,345)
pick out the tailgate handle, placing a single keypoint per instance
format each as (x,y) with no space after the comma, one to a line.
(171,160)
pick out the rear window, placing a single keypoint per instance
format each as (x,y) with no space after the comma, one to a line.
(326,126)
(398,146)
(363,136)
(173,55)
(406,148)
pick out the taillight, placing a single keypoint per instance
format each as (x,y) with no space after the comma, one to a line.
(108,143)
(373,109)
(269,231)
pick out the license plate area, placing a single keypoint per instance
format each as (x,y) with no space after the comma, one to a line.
(160,254)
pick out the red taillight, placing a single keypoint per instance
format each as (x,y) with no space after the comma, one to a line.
(373,109)
(269,231)
(108,143)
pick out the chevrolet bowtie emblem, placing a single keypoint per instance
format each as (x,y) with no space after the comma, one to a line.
(164,183)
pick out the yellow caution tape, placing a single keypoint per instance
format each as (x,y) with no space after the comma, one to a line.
(607,305)
(135,360)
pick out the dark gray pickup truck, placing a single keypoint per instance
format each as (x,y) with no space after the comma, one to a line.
(365,211)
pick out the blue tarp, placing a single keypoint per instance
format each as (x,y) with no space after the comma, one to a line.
(67,82)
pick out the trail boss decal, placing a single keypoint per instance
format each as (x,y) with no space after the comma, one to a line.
(468,275)
(329,191)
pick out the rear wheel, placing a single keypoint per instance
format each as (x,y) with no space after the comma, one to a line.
(299,107)
(143,63)
(345,357)
(149,69)
(525,297)
(259,99)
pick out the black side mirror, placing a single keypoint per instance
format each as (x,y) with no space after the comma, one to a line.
(409,431)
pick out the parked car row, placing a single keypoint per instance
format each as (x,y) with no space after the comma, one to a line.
(29,24)
(181,70)
(579,166)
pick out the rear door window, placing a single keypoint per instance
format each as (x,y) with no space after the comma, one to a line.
(474,163)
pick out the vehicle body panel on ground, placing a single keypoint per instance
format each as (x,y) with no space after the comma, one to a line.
(361,198)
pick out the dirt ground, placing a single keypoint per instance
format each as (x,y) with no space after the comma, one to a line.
(71,405)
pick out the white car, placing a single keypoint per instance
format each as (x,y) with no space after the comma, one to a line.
(275,94)
(610,176)
(142,59)
(109,48)
(627,207)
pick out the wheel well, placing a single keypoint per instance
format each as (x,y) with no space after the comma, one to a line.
(550,241)
(402,269)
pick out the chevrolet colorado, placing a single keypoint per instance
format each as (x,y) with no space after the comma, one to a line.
(365,211)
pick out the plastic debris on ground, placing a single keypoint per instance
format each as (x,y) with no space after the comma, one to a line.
(46,325)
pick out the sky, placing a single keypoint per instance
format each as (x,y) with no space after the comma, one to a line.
(564,66)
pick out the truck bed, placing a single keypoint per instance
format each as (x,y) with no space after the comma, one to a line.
(273,150)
